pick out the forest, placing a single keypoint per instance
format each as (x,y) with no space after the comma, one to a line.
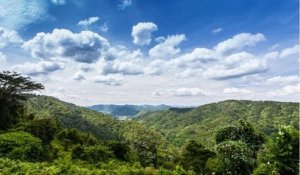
(42,135)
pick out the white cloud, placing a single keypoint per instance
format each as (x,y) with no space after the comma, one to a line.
(167,48)
(17,14)
(61,43)
(189,92)
(271,55)
(283,79)
(216,31)
(236,91)
(141,33)
(58,2)
(238,42)
(235,66)
(78,76)
(288,90)
(87,22)
(124,4)
(111,80)
(288,52)
(40,68)
(156,67)
(180,92)
(8,37)
(292,89)
(197,58)
(123,67)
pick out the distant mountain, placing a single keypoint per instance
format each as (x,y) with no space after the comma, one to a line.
(201,123)
(126,110)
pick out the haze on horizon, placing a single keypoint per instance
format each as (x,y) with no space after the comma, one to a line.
(182,53)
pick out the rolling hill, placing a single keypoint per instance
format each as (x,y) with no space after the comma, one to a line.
(102,126)
(180,125)
(126,110)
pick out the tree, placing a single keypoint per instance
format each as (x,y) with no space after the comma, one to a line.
(195,156)
(44,128)
(22,146)
(281,153)
(242,132)
(236,157)
(12,88)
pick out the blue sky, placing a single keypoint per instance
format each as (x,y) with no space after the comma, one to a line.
(177,52)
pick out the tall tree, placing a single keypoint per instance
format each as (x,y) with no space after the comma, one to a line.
(12,88)
(281,153)
(195,156)
(236,157)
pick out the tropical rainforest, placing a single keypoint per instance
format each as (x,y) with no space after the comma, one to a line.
(42,135)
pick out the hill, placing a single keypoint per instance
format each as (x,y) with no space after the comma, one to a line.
(126,110)
(102,126)
(180,125)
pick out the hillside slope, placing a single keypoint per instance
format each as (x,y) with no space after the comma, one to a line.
(179,125)
(102,126)
(126,110)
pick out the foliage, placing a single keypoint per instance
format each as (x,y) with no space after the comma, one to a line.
(72,136)
(91,154)
(21,145)
(195,156)
(281,153)
(242,132)
(45,129)
(12,85)
(236,156)
(201,123)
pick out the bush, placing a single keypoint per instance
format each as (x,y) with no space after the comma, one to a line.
(44,128)
(91,154)
(72,136)
(21,145)
(236,157)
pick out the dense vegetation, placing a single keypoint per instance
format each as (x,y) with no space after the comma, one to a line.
(201,123)
(44,135)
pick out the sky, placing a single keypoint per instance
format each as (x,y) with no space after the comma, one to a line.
(179,52)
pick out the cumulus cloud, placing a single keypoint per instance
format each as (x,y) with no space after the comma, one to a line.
(123,67)
(195,59)
(238,42)
(288,90)
(288,52)
(58,2)
(8,37)
(141,33)
(78,76)
(112,80)
(61,43)
(124,4)
(40,68)
(87,22)
(283,79)
(271,55)
(180,92)
(235,66)
(236,91)
(292,89)
(216,31)
(167,48)
(16,14)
